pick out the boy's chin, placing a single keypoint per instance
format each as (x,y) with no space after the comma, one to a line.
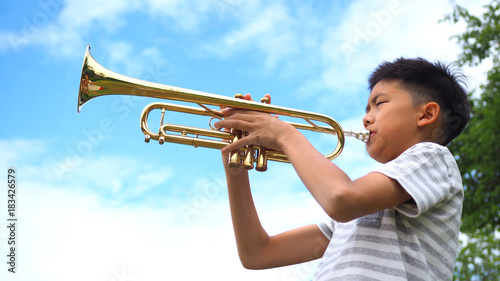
(376,155)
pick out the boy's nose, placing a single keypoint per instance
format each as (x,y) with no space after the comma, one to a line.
(367,120)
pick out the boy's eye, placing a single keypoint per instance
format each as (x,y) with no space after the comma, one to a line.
(380,102)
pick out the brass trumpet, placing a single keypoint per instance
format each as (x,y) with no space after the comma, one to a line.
(98,81)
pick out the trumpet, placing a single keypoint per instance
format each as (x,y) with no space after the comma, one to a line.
(98,81)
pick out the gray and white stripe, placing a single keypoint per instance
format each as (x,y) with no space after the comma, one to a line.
(413,241)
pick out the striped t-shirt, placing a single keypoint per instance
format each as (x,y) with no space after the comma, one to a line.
(413,241)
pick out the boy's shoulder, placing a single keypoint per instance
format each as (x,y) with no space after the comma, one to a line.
(427,146)
(426,156)
(428,151)
(429,173)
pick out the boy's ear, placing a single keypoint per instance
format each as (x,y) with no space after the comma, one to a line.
(429,114)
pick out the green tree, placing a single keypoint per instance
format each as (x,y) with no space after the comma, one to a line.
(477,149)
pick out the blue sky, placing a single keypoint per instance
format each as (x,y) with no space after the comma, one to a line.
(97,203)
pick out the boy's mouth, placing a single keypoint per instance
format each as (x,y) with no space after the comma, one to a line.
(372,133)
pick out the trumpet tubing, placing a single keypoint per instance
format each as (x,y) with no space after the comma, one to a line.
(98,81)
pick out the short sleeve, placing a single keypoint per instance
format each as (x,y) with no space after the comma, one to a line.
(423,172)
(327,228)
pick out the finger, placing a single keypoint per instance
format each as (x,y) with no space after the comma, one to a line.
(269,97)
(238,124)
(248,116)
(230,111)
(227,111)
(243,142)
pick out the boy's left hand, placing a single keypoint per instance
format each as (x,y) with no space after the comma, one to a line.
(263,129)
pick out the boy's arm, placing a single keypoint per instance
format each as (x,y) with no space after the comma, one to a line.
(342,198)
(257,250)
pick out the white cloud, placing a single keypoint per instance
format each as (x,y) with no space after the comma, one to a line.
(20,150)
(120,178)
(145,64)
(269,28)
(61,26)
(185,16)
(67,229)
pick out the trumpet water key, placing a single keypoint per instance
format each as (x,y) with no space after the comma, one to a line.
(98,81)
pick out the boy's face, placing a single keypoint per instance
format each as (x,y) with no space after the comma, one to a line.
(391,117)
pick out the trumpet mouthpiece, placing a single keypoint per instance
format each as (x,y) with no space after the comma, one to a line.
(362,135)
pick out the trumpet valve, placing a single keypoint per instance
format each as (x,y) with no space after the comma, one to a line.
(235,156)
(248,158)
(147,138)
(234,159)
(161,140)
(261,160)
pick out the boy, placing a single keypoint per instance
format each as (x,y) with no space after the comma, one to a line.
(399,222)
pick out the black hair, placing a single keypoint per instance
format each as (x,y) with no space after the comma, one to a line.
(426,82)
